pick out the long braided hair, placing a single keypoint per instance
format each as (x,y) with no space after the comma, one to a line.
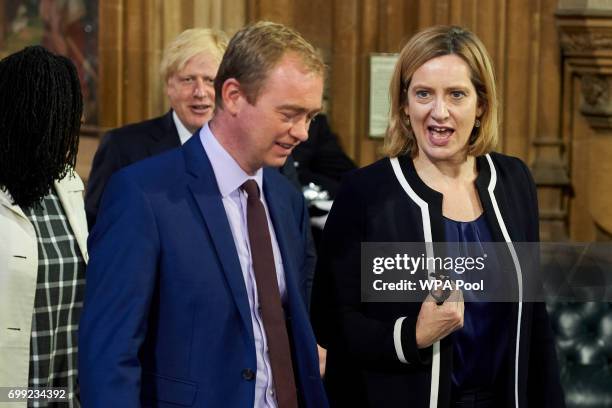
(40,117)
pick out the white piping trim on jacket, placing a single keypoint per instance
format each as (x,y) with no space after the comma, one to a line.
(435,361)
(517,266)
(397,340)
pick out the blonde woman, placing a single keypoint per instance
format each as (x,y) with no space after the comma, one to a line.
(441,182)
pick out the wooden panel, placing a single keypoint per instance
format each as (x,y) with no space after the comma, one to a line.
(517,68)
(465,13)
(548,101)
(393,17)
(280,11)
(344,73)
(313,19)
(171,22)
(490,25)
(374,17)
(456,13)
(426,12)
(207,14)
(549,84)
(234,15)
(134,71)
(499,49)
(442,11)
(110,89)
(533,80)
(2,24)
(155,43)
(219,14)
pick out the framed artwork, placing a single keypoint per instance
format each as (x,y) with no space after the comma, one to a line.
(66,27)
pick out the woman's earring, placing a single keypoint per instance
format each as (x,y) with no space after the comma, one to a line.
(474,134)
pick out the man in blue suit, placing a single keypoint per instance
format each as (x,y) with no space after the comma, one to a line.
(196,284)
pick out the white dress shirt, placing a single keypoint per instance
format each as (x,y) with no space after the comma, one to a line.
(183,132)
(230,177)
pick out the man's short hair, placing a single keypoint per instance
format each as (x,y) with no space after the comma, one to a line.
(255,49)
(188,44)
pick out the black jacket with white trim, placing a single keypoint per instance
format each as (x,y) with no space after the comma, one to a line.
(388,202)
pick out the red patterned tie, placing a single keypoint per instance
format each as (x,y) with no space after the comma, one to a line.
(269,298)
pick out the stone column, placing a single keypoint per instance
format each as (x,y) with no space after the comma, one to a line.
(585,32)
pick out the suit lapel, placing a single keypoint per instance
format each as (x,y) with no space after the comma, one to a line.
(165,137)
(7,201)
(482,183)
(203,186)
(300,333)
(280,216)
(68,189)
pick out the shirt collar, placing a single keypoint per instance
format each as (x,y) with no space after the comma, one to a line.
(183,133)
(228,173)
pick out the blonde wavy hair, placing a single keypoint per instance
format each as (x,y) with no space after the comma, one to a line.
(428,44)
(190,43)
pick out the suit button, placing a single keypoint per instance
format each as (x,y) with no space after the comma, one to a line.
(248,374)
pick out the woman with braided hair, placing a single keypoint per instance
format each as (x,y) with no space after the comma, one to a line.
(43,229)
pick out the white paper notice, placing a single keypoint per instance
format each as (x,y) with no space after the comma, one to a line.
(381,70)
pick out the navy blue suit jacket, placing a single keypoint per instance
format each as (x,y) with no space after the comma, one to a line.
(123,146)
(131,143)
(166,320)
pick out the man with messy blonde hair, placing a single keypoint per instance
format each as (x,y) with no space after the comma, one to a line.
(188,68)
(188,44)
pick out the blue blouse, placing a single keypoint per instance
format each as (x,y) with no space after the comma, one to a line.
(480,348)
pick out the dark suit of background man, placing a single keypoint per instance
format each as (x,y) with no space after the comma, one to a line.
(176,310)
(321,160)
(189,66)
